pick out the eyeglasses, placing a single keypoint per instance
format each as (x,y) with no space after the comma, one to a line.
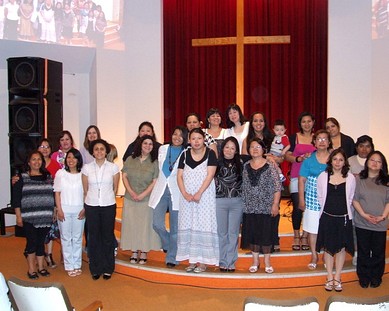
(44,147)
(375,161)
(321,139)
(256,147)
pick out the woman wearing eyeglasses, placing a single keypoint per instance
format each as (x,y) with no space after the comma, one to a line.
(307,189)
(371,201)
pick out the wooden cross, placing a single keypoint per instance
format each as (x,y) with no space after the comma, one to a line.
(240,40)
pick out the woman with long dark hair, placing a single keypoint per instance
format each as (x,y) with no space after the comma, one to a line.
(33,201)
(371,201)
(166,195)
(335,191)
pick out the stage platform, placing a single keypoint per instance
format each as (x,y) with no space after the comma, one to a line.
(290,267)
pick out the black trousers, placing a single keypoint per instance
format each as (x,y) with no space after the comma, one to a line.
(35,239)
(101,223)
(297,214)
(371,254)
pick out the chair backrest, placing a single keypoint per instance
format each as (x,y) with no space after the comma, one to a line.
(342,303)
(39,296)
(263,304)
(5,303)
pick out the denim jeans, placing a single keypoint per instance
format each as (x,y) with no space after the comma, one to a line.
(168,238)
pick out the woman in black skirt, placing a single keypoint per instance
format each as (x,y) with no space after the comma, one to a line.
(335,191)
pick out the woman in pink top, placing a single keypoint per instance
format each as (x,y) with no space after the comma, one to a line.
(300,149)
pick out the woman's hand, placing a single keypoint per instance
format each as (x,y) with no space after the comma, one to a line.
(19,221)
(197,197)
(81,214)
(302,205)
(188,197)
(60,215)
(275,209)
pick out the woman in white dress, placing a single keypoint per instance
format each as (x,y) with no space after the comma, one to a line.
(197,227)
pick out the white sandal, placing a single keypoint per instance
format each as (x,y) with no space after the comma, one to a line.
(253,269)
(269,269)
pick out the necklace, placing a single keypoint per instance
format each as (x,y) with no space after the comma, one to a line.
(99,182)
(171,165)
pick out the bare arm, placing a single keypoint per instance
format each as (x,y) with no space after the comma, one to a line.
(60,213)
(211,170)
(301,189)
(85,184)
(181,186)
(18,214)
(244,147)
(275,208)
(116,178)
(128,187)
(147,191)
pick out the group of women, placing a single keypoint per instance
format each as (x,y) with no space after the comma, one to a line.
(69,186)
(328,186)
(214,183)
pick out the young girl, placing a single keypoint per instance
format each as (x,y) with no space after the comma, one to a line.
(261,192)
(335,191)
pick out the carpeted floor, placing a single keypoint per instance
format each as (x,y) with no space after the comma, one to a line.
(128,293)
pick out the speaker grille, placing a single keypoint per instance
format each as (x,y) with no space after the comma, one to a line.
(24,74)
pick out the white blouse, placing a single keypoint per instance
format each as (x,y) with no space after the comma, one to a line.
(72,193)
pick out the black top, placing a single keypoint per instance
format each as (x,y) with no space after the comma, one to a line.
(186,157)
(336,203)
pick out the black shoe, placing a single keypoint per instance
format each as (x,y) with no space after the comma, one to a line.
(170,265)
(44,272)
(95,276)
(231,270)
(375,283)
(107,276)
(364,284)
(222,269)
(33,276)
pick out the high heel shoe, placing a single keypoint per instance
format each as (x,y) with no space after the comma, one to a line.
(296,246)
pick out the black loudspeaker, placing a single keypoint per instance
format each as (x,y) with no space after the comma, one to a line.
(35,105)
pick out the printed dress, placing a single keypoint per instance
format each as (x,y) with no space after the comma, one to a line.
(197,227)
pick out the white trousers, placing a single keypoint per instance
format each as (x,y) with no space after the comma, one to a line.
(71,230)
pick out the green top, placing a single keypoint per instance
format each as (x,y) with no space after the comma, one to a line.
(140,174)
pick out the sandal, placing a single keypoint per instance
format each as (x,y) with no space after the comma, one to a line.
(253,269)
(44,272)
(312,266)
(296,243)
(190,268)
(33,276)
(269,269)
(134,257)
(304,243)
(338,286)
(143,260)
(78,271)
(72,273)
(200,269)
(329,285)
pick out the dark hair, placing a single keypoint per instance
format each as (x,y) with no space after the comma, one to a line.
(86,141)
(45,140)
(99,141)
(279,122)
(260,142)
(184,133)
(365,139)
(266,133)
(236,160)
(345,168)
(300,118)
(76,153)
(333,120)
(138,148)
(198,131)
(211,112)
(242,118)
(150,125)
(63,133)
(45,173)
(382,178)
(322,131)
(192,114)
